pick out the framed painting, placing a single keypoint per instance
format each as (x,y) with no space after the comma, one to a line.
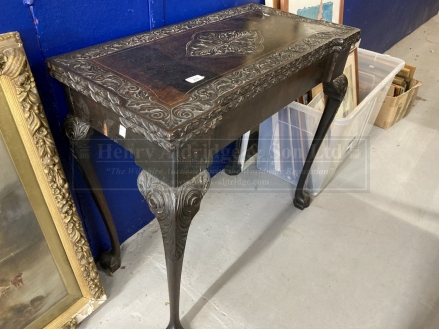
(351,98)
(329,10)
(48,278)
(278,4)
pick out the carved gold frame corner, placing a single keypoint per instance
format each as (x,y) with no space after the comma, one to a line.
(26,132)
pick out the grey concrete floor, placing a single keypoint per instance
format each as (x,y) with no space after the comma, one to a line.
(351,260)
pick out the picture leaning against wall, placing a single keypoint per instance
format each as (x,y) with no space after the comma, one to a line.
(331,11)
(48,278)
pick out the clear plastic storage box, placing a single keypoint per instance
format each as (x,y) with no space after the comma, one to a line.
(285,138)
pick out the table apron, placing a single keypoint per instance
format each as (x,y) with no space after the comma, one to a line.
(188,159)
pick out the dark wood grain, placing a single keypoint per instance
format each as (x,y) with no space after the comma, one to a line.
(161,67)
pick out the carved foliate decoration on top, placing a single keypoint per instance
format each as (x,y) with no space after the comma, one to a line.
(110,47)
(167,126)
(174,208)
(13,64)
(225,43)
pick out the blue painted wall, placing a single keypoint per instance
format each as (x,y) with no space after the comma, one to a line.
(65,26)
(49,28)
(384,23)
(52,27)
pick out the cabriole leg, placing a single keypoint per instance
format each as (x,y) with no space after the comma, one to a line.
(335,90)
(78,132)
(174,209)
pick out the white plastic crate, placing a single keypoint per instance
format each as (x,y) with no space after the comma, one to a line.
(285,138)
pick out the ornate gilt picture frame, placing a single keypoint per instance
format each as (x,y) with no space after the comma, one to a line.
(48,278)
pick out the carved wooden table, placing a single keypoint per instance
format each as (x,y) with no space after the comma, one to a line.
(187,91)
